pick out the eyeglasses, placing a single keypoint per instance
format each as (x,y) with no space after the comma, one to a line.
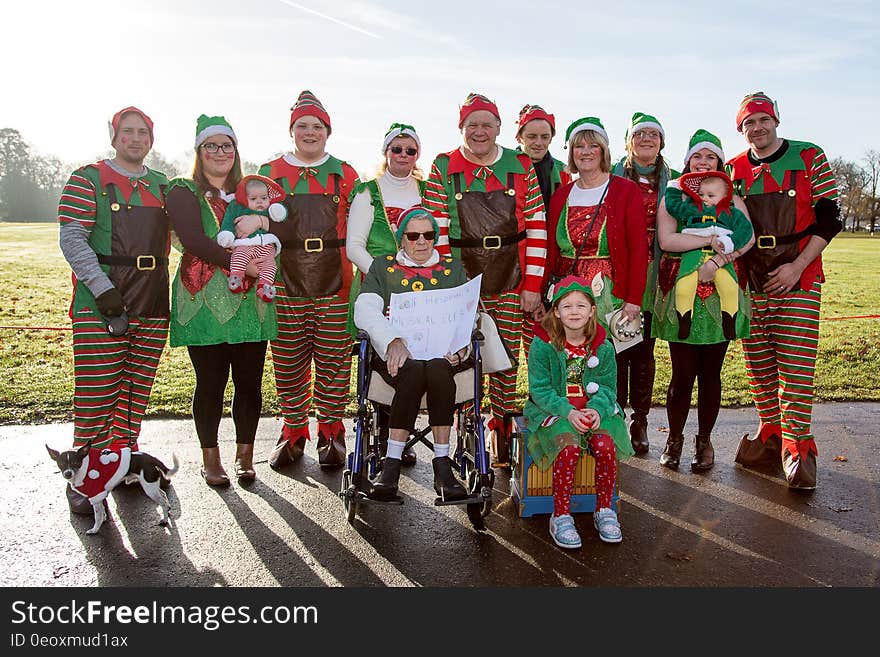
(211,147)
(413,236)
(642,135)
(397,150)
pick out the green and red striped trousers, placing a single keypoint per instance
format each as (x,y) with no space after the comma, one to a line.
(311,330)
(113,377)
(780,359)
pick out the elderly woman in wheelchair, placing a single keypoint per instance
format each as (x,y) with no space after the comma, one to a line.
(416,266)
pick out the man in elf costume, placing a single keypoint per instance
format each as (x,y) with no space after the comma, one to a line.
(535,130)
(312,297)
(114,233)
(488,204)
(791,195)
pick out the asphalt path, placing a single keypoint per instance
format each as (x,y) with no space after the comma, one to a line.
(730,527)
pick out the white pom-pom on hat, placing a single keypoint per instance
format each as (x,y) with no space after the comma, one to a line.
(277,212)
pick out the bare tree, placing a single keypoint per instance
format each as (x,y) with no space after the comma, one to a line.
(872,172)
(851,180)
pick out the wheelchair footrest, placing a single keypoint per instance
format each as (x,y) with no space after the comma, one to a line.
(361,497)
(473,499)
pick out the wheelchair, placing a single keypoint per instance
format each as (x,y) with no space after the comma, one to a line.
(470,456)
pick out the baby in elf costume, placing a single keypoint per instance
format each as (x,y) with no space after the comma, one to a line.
(701,202)
(253,195)
(572,406)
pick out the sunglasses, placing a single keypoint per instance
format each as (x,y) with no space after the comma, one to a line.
(413,236)
(397,150)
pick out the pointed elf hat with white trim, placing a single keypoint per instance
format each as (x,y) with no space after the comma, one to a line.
(690,185)
(307,104)
(642,121)
(399,130)
(208,126)
(704,139)
(572,284)
(587,123)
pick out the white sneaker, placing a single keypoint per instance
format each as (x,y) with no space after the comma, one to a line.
(605,521)
(563,532)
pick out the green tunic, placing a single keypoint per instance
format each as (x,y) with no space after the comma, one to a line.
(706,325)
(387,277)
(214,315)
(548,376)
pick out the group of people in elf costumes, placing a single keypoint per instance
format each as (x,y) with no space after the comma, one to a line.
(568,253)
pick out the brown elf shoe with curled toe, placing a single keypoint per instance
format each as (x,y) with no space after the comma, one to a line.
(289,448)
(800,470)
(752,451)
(331,444)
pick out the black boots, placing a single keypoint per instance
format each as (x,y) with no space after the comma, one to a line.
(672,452)
(445,483)
(385,489)
(638,433)
(704,454)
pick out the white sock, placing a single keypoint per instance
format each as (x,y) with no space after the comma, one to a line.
(395,449)
(441,450)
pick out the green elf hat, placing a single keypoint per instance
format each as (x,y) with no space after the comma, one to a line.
(704,139)
(754,103)
(399,129)
(583,125)
(415,212)
(571,284)
(208,126)
(642,121)
(307,104)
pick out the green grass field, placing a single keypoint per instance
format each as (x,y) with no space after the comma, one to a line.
(37,382)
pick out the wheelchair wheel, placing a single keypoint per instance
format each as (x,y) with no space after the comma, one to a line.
(349,497)
(473,486)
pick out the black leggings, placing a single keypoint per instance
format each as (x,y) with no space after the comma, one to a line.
(212,364)
(414,379)
(701,362)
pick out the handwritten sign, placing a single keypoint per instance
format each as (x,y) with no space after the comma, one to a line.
(436,322)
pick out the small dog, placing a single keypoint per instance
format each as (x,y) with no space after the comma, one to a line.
(93,473)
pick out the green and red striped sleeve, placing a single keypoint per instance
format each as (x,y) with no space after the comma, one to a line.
(436,201)
(78,200)
(822,181)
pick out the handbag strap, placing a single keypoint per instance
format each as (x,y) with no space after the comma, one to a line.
(590,227)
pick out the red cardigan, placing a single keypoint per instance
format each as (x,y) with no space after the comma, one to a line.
(626,228)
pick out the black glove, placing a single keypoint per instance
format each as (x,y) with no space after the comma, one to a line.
(110,303)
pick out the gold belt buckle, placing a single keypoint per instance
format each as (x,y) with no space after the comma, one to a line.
(314,240)
(495,242)
(767,241)
(146,258)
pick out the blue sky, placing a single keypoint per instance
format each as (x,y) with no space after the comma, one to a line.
(372,63)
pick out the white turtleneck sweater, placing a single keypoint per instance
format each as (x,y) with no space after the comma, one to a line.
(396,193)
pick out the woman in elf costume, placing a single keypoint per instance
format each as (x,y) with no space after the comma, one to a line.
(596,225)
(222,330)
(644,164)
(376,207)
(572,406)
(700,355)
(315,278)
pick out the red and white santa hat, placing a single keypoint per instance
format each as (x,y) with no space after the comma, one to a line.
(308,105)
(113,125)
(276,192)
(690,185)
(755,103)
(474,103)
(532,113)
